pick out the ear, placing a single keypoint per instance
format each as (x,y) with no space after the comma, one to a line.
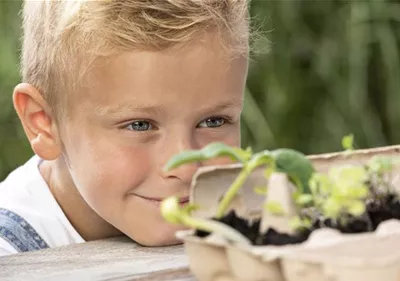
(39,126)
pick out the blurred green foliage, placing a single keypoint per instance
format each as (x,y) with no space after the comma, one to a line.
(14,149)
(333,68)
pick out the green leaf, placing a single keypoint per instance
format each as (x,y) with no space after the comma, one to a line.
(347,142)
(320,184)
(358,192)
(259,159)
(170,210)
(357,208)
(297,182)
(296,165)
(298,223)
(188,209)
(269,171)
(275,208)
(331,208)
(304,199)
(348,175)
(244,154)
(261,190)
(381,164)
(208,152)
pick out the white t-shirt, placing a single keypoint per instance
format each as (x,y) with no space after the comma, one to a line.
(30,217)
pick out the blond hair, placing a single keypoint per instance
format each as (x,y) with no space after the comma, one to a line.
(62,37)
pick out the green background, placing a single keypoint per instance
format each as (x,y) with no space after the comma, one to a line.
(333,68)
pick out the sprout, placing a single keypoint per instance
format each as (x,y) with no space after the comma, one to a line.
(296,165)
(213,150)
(343,191)
(210,151)
(260,190)
(275,208)
(172,213)
(299,224)
(379,170)
(258,159)
(379,165)
(348,142)
(291,162)
(303,200)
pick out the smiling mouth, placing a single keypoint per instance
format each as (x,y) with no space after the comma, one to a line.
(157,201)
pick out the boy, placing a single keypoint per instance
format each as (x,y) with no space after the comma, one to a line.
(111,91)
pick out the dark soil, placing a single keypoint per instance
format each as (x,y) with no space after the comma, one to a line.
(352,226)
(377,212)
(250,229)
(382,210)
(272,237)
(247,228)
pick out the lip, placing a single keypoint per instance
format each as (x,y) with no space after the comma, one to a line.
(157,201)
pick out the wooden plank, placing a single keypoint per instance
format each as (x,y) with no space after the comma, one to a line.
(116,259)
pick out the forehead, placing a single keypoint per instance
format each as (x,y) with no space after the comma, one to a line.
(192,72)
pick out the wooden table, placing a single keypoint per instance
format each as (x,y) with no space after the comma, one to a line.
(117,259)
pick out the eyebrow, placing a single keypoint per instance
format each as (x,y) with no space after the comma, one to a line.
(127,107)
(234,103)
(157,110)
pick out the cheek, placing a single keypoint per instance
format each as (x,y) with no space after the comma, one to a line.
(228,134)
(104,171)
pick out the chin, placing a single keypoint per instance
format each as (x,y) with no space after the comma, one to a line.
(162,243)
(161,237)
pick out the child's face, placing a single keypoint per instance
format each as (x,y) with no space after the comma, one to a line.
(138,111)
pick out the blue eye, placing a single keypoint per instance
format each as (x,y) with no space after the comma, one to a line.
(140,125)
(212,122)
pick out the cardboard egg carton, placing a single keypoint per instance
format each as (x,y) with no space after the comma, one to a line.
(327,255)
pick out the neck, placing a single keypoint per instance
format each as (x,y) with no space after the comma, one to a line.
(82,217)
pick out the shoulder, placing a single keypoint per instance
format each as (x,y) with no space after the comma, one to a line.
(16,183)
(24,187)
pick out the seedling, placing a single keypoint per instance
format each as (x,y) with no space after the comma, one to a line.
(379,171)
(210,151)
(293,163)
(340,193)
(348,142)
(275,208)
(296,165)
(172,213)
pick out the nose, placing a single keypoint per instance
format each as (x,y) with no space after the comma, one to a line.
(182,173)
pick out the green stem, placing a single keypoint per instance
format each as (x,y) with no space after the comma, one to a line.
(215,227)
(232,191)
(261,158)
